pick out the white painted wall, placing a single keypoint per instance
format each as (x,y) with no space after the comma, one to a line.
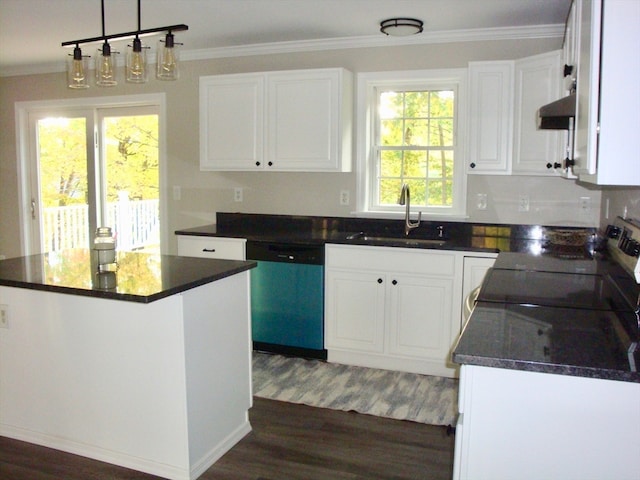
(553,200)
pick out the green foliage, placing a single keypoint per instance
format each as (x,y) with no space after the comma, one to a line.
(132,157)
(416,134)
(63,165)
(131,146)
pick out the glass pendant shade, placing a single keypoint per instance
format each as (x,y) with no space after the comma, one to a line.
(105,67)
(77,70)
(167,61)
(136,66)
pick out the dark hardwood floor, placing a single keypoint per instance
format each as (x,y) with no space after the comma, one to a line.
(288,442)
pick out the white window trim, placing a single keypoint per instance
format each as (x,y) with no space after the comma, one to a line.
(366,96)
(22,110)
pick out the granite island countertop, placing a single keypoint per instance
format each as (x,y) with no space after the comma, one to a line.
(140,277)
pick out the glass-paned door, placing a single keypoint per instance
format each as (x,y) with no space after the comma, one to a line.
(95,168)
(130,177)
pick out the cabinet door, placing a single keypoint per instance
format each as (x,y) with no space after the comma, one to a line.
(538,81)
(420,312)
(232,122)
(354,311)
(490,117)
(211,247)
(305,120)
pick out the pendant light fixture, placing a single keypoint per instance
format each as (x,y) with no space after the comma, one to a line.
(136,67)
(136,61)
(105,61)
(77,69)
(167,61)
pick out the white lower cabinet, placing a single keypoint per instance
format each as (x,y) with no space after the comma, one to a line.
(212,247)
(392,308)
(532,426)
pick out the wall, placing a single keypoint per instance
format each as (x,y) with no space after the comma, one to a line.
(554,201)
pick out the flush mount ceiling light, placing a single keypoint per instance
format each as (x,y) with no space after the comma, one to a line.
(136,63)
(401,27)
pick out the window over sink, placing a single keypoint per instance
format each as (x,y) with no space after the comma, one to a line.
(411,131)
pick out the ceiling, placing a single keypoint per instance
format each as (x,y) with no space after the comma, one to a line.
(31,30)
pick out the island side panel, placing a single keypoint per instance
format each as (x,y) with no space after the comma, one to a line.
(99,378)
(218,366)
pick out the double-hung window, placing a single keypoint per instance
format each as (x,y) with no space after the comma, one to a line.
(411,131)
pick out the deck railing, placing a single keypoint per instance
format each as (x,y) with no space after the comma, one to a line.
(135,223)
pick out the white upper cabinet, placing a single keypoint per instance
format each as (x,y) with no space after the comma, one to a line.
(296,120)
(607,144)
(503,134)
(538,81)
(490,117)
(232,122)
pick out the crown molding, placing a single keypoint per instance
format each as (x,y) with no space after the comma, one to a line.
(371,41)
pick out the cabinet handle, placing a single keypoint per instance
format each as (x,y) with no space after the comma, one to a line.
(379,280)
(210,250)
(395,282)
(472,165)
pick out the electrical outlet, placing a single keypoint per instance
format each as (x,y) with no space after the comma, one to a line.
(344,197)
(523,203)
(481,201)
(237,194)
(4,316)
(585,204)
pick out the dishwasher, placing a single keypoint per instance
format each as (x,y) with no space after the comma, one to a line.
(287,298)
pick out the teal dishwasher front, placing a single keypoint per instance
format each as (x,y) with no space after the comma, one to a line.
(287,298)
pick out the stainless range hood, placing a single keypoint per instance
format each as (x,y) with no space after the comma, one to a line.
(556,115)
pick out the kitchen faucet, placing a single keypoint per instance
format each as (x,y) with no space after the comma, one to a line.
(405,199)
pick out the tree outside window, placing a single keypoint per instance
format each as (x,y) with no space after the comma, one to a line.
(416,146)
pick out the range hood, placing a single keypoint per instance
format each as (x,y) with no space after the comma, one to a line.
(556,115)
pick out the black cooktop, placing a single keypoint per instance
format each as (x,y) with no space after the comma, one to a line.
(552,289)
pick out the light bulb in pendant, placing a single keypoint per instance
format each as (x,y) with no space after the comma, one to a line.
(167,61)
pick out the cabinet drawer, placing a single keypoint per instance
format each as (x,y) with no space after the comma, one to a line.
(403,260)
(212,247)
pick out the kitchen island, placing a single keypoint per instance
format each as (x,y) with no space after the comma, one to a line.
(152,372)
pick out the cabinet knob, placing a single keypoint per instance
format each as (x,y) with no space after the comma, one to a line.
(554,165)
(472,165)
(257,164)
(395,282)
(379,280)
(270,164)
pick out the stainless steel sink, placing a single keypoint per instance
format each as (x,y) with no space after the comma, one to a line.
(410,242)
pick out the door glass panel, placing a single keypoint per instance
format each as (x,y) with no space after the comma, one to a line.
(131,182)
(63,182)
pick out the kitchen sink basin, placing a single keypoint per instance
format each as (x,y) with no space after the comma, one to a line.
(408,241)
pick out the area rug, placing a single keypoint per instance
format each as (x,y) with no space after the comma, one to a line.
(384,393)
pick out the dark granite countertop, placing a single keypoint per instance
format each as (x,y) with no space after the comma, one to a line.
(564,341)
(310,230)
(566,317)
(139,278)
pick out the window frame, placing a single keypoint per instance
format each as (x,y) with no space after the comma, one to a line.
(368,85)
(25,112)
